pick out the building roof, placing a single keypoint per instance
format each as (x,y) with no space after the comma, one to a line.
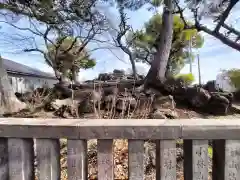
(20,69)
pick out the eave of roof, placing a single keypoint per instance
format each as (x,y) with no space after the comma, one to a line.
(20,69)
(29,74)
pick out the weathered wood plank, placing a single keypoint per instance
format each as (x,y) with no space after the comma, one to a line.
(48,159)
(232,159)
(4,159)
(166,160)
(196,159)
(77,159)
(136,159)
(105,160)
(21,159)
(218,161)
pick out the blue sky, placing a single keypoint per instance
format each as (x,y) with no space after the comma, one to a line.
(214,55)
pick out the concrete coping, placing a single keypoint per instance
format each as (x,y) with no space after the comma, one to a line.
(120,128)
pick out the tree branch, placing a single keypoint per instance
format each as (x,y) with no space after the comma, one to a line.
(213,33)
(123,28)
(225,14)
(219,36)
(231,30)
(37,50)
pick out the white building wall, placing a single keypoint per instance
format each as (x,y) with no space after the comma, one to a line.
(24,84)
(223,81)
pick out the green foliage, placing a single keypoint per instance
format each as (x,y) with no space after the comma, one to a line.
(66,55)
(234,75)
(63,17)
(87,63)
(210,152)
(188,79)
(145,42)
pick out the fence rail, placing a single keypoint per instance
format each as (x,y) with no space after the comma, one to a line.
(21,140)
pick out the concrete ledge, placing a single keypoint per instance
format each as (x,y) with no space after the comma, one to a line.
(120,128)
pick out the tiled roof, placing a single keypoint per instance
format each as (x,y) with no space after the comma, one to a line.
(20,69)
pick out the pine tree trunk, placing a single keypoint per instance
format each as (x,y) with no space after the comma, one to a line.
(75,75)
(159,64)
(8,101)
(57,74)
(134,69)
(64,77)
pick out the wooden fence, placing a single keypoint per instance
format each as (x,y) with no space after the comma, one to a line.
(18,138)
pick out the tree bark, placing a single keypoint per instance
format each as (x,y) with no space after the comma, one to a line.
(75,75)
(134,69)
(8,101)
(64,76)
(159,64)
(168,72)
(128,52)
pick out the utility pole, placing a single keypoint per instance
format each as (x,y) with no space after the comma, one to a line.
(190,54)
(199,71)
